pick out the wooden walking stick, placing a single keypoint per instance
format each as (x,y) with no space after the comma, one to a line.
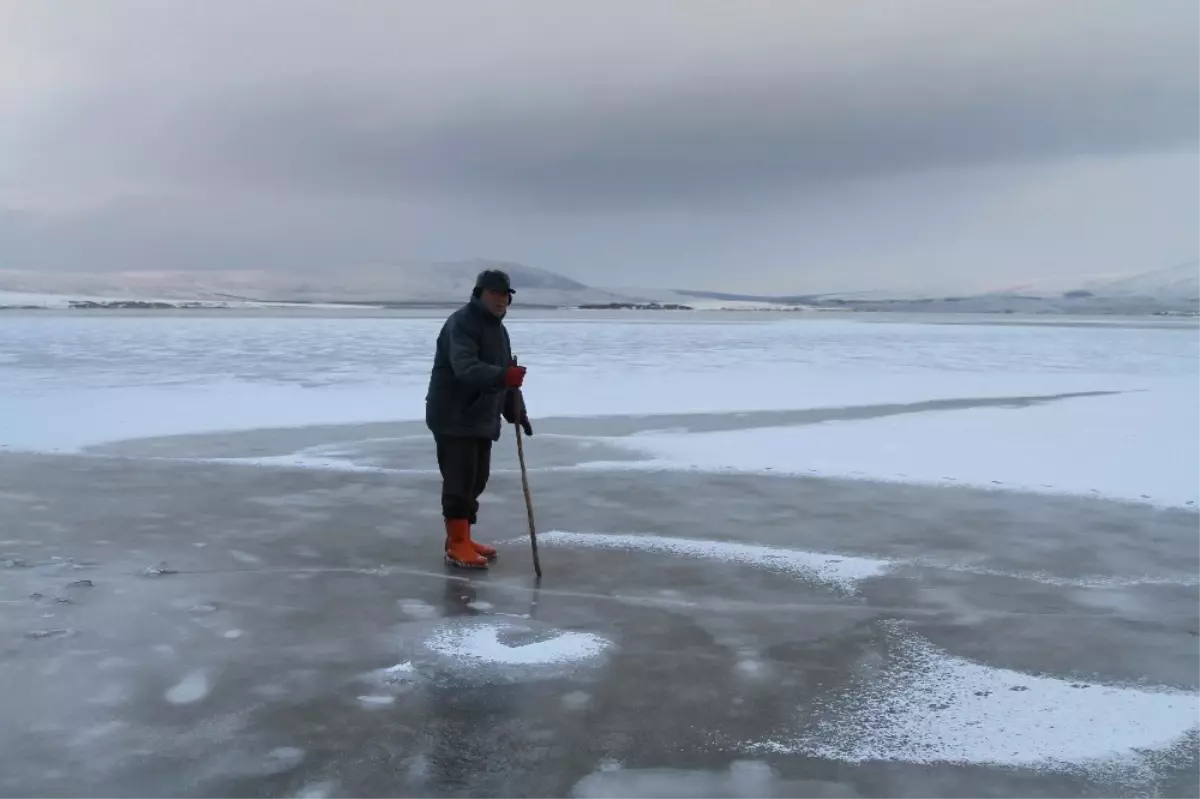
(519,412)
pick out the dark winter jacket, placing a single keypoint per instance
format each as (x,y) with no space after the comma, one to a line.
(467,392)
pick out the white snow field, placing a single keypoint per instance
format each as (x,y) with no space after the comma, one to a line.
(1141,446)
(69,382)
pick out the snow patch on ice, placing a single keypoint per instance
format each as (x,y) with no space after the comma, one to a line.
(376,702)
(576,700)
(928,706)
(399,671)
(417,768)
(745,778)
(1085,581)
(190,689)
(481,644)
(841,571)
(245,557)
(1139,447)
(418,609)
(300,460)
(281,759)
(392,679)
(317,790)
(400,674)
(752,668)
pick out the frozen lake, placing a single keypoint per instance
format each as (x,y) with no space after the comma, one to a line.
(784,556)
(69,381)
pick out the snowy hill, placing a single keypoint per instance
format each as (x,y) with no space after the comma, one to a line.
(710,301)
(24,299)
(1179,282)
(1174,290)
(1051,287)
(1174,282)
(401,283)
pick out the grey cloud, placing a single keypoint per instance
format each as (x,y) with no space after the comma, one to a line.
(655,141)
(937,88)
(233,231)
(706,142)
(715,144)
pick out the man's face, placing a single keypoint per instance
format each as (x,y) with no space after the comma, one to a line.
(496,301)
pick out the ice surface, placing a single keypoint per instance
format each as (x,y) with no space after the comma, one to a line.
(841,571)
(68,382)
(1139,446)
(929,706)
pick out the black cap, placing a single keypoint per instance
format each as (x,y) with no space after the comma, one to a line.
(495,280)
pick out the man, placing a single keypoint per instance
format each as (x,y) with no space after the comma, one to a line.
(474,382)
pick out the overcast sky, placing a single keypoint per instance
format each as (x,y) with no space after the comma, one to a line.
(723,144)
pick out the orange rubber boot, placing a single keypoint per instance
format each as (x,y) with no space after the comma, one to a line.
(482,549)
(460,553)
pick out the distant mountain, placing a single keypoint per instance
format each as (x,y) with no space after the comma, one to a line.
(1174,290)
(1174,282)
(707,300)
(405,283)
(726,299)
(1179,282)
(1049,287)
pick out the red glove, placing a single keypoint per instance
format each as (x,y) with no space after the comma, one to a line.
(514,377)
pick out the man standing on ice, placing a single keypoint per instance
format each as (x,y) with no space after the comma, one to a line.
(474,382)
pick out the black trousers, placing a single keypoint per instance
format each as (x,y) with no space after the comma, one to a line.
(465,464)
